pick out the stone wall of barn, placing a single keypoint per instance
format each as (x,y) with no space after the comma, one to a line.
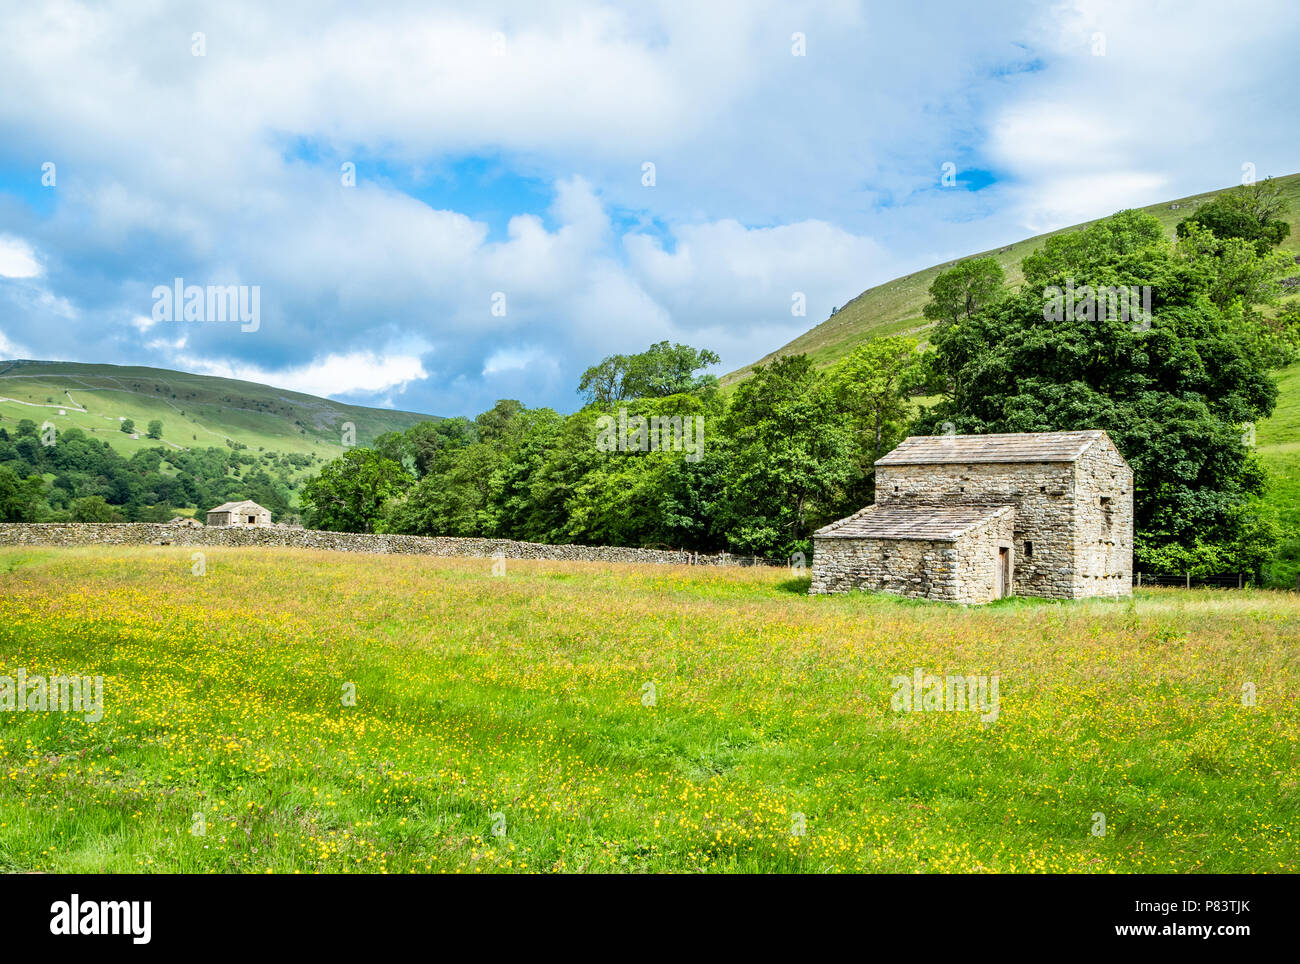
(1044,497)
(1104,524)
(263,518)
(962,571)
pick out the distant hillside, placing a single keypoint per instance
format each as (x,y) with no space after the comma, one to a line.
(197,411)
(895,307)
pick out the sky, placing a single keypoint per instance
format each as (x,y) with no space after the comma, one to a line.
(443,204)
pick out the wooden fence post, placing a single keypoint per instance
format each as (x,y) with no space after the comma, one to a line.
(1239,578)
(1140,579)
(1189,580)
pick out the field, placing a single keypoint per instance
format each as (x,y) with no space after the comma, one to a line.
(576,717)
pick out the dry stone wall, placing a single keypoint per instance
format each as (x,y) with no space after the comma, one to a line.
(142,533)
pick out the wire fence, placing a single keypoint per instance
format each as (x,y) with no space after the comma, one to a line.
(1235,580)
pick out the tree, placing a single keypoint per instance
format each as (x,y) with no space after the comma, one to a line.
(350,492)
(790,454)
(1232,269)
(963,289)
(602,383)
(20,499)
(94,508)
(128,425)
(1253,213)
(659,371)
(871,388)
(1174,391)
(155,428)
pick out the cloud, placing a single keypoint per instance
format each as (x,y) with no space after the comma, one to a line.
(17,259)
(357,372)
(515,359)
(11,349)
(776,174)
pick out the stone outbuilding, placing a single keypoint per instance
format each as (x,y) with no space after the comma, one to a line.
(973,518)
(246,513)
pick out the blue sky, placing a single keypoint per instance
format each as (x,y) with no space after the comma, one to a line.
(500,153)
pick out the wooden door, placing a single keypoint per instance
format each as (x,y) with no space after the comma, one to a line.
(1003,577)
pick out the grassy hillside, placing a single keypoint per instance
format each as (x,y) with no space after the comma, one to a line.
(577,717)
(895,306)
(196,410)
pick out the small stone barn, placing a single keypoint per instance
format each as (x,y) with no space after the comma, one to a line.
(973,518)
(246,513)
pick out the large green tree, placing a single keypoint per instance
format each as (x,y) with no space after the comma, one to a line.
(964,289)
(790,455)
(350,492)
(871,389)
(1252,213)
(1176,390)
(659,371)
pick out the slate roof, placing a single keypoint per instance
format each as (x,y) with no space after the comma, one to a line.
(936,523)
(232,506)
(1015,447)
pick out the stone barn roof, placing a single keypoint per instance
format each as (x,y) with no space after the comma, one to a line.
(236,506)
(931,523)
(1015,447)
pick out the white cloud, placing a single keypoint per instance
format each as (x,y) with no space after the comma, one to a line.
(332,375)
(515,359)
(11,349)
(17,259)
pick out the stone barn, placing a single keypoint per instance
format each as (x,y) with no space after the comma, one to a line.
(973,518)
(246,513)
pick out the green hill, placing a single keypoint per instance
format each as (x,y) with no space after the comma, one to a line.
(895,308)
(197,411)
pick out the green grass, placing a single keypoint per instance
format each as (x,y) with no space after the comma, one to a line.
(1278,441)
(197,411)
(517,703)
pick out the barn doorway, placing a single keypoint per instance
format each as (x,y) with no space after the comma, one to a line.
(1003,576)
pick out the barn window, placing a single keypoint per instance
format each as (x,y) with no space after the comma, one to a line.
(1105,500)
(1029,549)
(252,519)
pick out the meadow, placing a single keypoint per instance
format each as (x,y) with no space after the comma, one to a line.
(294,711)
